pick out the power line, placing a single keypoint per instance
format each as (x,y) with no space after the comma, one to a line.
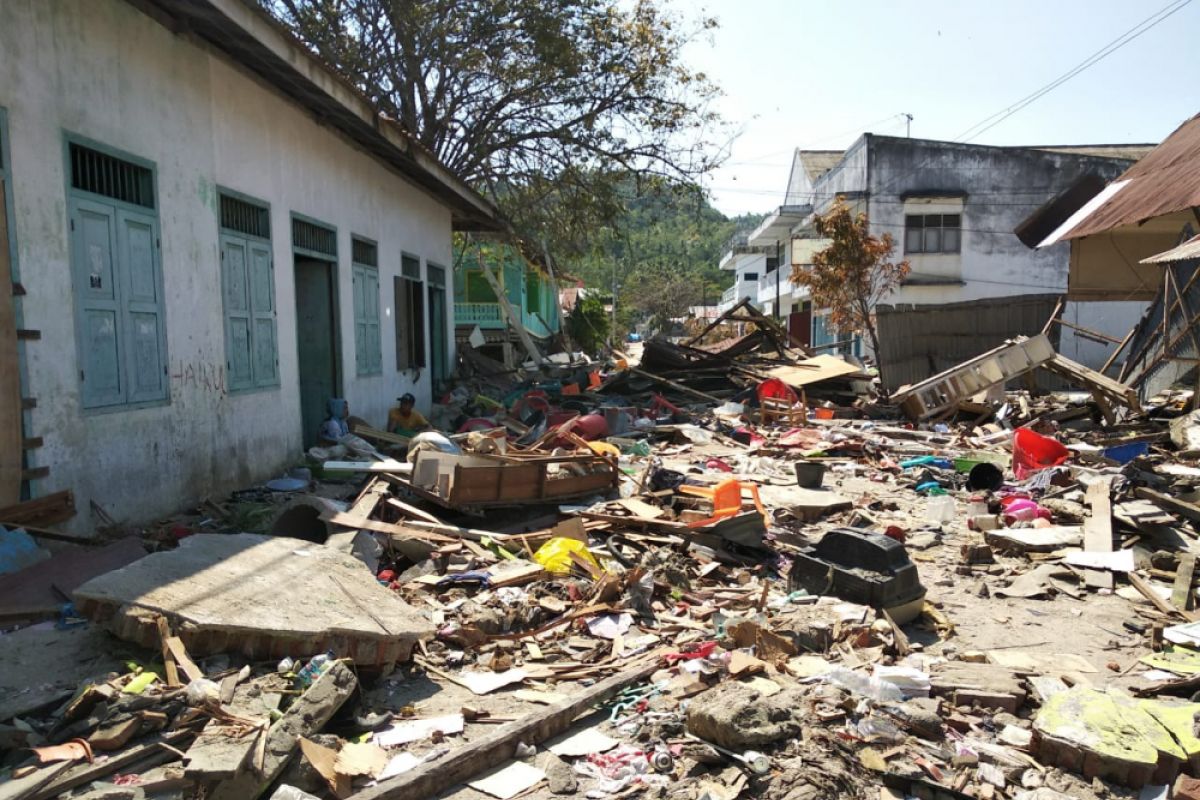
(1108,49)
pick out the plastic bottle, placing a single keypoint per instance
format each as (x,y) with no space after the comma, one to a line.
(939,509)
(315,667)
(865,685)
(878,729)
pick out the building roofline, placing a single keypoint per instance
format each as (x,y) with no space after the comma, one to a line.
(1061,149)
(250,37)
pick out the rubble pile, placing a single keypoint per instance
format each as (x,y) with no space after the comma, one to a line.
(719,572)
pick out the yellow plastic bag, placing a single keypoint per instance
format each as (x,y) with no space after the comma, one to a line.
(605,449)
(555,555)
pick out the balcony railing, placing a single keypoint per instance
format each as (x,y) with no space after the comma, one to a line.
(485,315)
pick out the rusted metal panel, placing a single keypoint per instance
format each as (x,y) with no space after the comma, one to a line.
(1164,182)
(918,342)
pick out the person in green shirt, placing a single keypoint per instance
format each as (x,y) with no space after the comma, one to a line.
(406,420)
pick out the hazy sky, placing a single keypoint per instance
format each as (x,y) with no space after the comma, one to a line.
(817,73)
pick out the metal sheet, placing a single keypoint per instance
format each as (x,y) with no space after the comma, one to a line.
(1164,182)
(921,341)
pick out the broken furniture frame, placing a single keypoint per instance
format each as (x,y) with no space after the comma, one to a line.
(472,482)
(1016,357)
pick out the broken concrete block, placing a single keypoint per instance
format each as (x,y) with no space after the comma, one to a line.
(309,714)
(735,716)
(1114,737)
(264,597)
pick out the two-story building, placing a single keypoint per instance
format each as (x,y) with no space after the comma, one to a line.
(208,234)
(531,293)
(952,210)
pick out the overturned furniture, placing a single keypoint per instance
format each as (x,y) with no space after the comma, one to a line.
(945,391)
(865,568)
(468,482)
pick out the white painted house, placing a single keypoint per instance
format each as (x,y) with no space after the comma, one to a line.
(213,234)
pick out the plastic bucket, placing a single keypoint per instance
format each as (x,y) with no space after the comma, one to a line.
(1033,452)
(823,413)
(809,474)
(985,476)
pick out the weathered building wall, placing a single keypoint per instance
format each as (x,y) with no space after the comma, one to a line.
(102,70)
(994,189)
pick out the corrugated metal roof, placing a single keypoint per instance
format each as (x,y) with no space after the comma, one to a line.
(1167,180)
(1184,252)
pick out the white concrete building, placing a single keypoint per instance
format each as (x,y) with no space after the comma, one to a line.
(213,234)
(749,266)
(953,210)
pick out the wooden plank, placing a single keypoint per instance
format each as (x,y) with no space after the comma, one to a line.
(1097,532)
(175,645)
(10,383)
(679,387)
(27,335)
(164,633)
(86,773)
(35,473)
(396,529)
(47,510)
(32,443)
(1172,504)
(28,403)
(368,432)
(1139,583)
(1181,593)
(412,510)
(463,763)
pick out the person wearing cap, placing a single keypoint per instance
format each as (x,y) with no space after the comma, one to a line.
(406,420)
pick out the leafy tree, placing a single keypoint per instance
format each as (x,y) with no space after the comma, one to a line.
(853,273)
(587,323)
(546,106)
(663,255)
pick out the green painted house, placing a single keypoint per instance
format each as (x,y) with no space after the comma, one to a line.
(530,292)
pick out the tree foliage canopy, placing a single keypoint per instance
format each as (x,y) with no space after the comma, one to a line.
(853,273)
(545,105)
(587,323)
(663,254)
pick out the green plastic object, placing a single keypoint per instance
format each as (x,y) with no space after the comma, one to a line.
(140,683)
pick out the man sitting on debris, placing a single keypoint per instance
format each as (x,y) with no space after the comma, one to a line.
(406,420)
(335,426)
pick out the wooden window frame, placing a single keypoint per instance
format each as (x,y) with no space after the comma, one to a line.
(74,195)
(256,384)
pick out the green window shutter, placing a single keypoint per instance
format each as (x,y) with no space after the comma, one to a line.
(98,310)
(360,336)
(366,320)
(374,329)
(238,330)
(262,306)
(145,332)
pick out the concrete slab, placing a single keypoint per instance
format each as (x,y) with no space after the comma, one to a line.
(261,596)
(43,665)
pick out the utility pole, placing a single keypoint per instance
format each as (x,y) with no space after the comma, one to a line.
(908,118)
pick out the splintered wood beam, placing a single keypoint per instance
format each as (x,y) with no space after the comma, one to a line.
(462,764)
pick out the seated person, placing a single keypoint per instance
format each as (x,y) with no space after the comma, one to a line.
(335,426)
(406,420)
